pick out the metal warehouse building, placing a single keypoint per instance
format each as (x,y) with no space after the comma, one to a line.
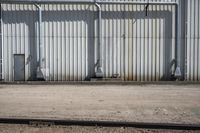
(76,40)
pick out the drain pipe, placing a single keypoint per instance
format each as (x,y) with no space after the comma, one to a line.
(99,71)
(178,71)
(39,73)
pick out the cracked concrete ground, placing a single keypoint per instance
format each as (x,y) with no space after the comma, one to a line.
(136,103)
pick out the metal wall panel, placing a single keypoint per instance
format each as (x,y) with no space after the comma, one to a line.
(193,40)
(18,38)
(68,40)
(1,46)
(135,46)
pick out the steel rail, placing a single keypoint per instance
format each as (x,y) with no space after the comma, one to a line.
(172,126)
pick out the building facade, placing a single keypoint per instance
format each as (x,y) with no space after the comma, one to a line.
(138,41)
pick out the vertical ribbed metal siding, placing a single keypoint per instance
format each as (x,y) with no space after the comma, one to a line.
(135,46)
(18,37)
(68,40)
(1,46)
(193,40)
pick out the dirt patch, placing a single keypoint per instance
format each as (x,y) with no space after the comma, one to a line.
(149,103)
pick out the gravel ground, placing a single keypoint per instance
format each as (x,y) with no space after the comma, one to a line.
(136,103)
(76,129)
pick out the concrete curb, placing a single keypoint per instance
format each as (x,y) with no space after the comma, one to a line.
(49,122)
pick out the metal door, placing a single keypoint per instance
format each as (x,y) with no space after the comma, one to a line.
(19,67)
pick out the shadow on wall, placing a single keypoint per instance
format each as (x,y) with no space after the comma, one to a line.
(18,20)
(29,18)
(168,47)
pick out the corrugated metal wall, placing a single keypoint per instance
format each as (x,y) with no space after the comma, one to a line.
(1,50)
(74,28)
(135,46)
(193,40)
(68,38)
(19,37)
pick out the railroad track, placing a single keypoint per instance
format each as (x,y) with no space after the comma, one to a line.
(50,122)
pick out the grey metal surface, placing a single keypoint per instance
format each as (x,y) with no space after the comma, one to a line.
(139,47)
(19,67)
(157,2)
(39,74)
(135,46)
(99,71)
(193,40)
(19,37)
(1,44)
